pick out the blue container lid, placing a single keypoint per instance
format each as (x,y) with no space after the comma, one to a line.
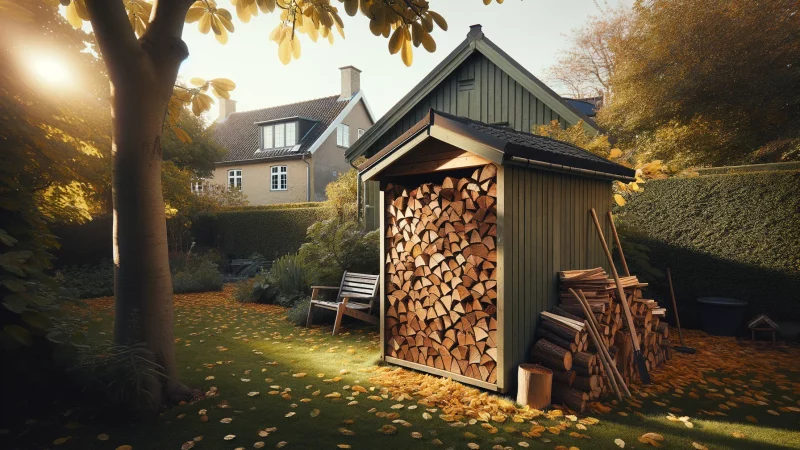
(721,301)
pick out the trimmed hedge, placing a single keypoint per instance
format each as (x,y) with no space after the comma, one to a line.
(269,232)
(732,235)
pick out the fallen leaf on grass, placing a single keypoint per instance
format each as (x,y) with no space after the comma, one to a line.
(253,393)
(620,443)
(187,445)
(387,429)
(314,412)
(738,434)
(102,437)
(699,446)
(226,420)
(227,437)
(290,414)
(652,439)
(61,440)
(281,444)
(124,447)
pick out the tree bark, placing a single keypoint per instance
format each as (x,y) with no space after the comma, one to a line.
(142,75)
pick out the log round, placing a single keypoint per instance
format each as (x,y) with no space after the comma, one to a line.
(551,355)
(534,385)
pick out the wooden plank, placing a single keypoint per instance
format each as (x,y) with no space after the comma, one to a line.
(459,162)
(383,278)
(503,380)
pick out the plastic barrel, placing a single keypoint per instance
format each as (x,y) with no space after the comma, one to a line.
(721,316)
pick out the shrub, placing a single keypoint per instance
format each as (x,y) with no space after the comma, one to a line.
(732,235)
(333,247)
(290,276)
(242,290)
(88,280)
(259,289)
(298,314)
(270,232)
(118,375)
(202,278)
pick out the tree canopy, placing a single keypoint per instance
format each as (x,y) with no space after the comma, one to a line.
(694,82)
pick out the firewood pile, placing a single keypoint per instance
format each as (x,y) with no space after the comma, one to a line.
(565,347)
(440,273)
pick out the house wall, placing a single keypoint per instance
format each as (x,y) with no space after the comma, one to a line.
(478,90)
(256,181)
(545,227)
(328,160)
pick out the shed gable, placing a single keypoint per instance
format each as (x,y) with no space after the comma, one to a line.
(478,90)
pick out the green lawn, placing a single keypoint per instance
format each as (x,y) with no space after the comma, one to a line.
(283,386)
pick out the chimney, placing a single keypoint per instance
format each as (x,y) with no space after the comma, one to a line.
(226,108)
(475,32)
(351,82)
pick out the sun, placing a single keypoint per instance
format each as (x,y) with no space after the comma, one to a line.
(50,70)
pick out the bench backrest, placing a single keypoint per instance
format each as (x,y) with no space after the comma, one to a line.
(359,286)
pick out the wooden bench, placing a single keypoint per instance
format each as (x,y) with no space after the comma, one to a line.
(355,288)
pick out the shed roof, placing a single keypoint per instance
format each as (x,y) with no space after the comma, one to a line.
(476,42)
(498,144)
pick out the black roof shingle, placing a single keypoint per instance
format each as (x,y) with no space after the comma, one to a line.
(239,134)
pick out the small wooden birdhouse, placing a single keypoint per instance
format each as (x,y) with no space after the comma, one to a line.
(762,323)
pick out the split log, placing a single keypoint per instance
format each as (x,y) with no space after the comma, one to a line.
(534,386)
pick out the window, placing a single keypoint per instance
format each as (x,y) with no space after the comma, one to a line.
(361,132)
(197,187)
(235,178)
(343,135)
(291,134)
(266,137)
(280,136)
(278,180)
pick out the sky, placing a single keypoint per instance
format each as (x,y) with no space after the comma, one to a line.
(531,31)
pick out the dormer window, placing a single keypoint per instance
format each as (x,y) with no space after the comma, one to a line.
(278,135)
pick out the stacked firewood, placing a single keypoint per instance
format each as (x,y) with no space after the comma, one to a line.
(440,274)
(585,379)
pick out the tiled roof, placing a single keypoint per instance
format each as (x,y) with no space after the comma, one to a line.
(238,134)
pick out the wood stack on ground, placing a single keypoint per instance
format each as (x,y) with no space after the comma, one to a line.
(563,337)
(441,285)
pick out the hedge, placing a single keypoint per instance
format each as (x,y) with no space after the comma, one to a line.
(732,235)
(269,232)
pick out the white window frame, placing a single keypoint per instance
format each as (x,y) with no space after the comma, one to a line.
(235,178)
(267,143)
(361,132)
(197,187)
(343,135)
(280,135)
(291,132)
(278,178)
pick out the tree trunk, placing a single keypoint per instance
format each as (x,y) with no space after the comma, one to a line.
(142,74)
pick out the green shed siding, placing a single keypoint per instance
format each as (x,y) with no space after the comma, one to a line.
(546,228)
(478,90)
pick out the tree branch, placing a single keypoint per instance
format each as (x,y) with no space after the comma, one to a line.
(114,34)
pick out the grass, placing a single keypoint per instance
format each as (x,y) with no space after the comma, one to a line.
(243,348)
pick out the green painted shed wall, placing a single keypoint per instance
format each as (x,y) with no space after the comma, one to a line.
(546,228)
(478,90)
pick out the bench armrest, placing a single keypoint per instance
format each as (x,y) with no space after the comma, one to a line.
(325,287)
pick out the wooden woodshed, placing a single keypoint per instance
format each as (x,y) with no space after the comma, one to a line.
(477,219)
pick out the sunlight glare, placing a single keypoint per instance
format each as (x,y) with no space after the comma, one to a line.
(50,70)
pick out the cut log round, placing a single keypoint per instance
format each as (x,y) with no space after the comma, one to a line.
(552,355)
(534,385)
(569,396)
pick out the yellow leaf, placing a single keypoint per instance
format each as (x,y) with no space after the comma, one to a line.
(615,153)
(197,81)
(397,41)
(223,83)
(620,443)
(407,55)
(194,14)
(699,446)
(428,43)
(285,51)
(439,20)
(72,16)
(204,24)
(619,199)
(296,48)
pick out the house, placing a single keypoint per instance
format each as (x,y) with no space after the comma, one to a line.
(477,81)
(289,153)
